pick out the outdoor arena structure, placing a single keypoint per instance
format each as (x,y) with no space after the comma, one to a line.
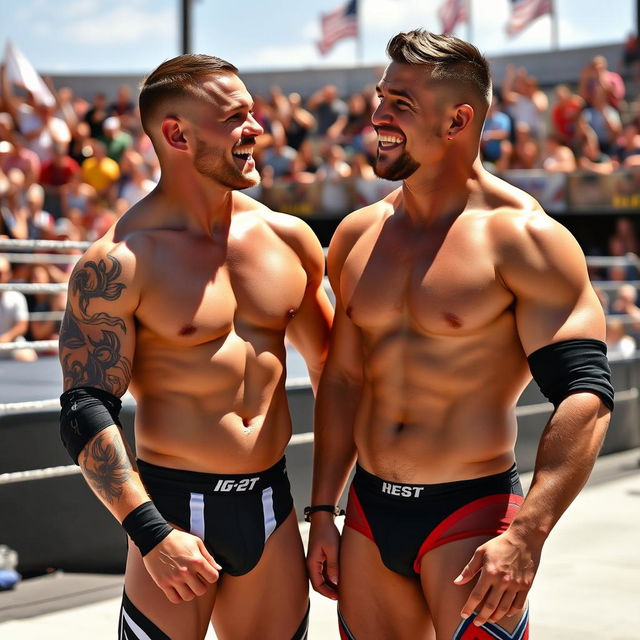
(48,513)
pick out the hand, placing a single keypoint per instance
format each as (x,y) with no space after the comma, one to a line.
(181,566)
(507,566)
(322,556)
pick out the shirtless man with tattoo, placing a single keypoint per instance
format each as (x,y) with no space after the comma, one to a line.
(450,293)
(186,301)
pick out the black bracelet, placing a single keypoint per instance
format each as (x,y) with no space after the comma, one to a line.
(336,511)
(146,527)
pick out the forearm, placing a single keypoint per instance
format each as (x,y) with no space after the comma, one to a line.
(334,450)
(567,452)
(110,470)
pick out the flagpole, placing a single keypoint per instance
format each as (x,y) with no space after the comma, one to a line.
(359,40)
(554,25)
(469,22)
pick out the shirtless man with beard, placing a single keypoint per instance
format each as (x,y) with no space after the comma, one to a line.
(450,293)
(187,301)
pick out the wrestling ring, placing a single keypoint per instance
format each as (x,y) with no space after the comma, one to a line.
(49,515)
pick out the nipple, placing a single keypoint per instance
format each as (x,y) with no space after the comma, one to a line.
(187,330)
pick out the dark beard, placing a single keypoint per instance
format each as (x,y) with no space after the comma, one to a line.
(218,169)
(399,169)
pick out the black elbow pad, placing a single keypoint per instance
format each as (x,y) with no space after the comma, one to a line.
(85,412)
(566,367)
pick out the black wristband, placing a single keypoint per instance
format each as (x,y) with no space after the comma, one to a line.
(146,527)
(336,511)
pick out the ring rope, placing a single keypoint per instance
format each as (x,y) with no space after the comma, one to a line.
(36,345)
(32,287)
(296,439)
(38,258)
(41,316)
(43,244)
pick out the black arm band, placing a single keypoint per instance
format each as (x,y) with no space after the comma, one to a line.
(570,366)
(336,511)
(146,527)
(85,412)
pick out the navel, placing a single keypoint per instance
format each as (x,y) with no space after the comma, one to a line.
(452,320)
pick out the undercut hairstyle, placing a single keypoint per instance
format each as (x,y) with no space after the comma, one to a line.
(448,60)
(176,79)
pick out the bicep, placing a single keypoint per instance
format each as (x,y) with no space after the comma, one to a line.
(97,336)
(309,330)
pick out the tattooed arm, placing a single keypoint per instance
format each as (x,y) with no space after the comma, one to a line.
(97,342)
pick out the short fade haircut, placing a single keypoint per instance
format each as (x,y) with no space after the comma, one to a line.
(448,58)
(175,79)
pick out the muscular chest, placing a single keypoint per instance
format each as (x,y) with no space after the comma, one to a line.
(200,295)
(440,284)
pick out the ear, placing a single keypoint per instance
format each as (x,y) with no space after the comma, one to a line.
(461,117)
(173,134)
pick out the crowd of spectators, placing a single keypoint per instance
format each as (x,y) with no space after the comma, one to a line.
(70,170)
(594,126)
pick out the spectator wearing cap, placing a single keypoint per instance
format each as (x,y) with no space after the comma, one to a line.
(115,140)
(101,172)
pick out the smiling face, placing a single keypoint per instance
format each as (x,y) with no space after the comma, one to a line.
(410,122)
(223,132)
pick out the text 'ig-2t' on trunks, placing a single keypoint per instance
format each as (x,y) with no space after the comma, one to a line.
(233,515)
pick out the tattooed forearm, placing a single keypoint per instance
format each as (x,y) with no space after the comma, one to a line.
(106,466)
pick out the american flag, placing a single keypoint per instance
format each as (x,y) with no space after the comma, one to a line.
(451,13)
(339,24)
(524,12)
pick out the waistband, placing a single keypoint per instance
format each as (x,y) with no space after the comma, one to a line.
(212,483)
(400,490)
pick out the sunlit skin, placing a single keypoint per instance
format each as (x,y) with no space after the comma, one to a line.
(442,290)
(200,285)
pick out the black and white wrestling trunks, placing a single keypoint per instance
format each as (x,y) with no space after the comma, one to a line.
(234,515)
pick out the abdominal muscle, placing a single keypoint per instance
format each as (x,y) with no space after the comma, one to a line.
(221,410)
(436,411)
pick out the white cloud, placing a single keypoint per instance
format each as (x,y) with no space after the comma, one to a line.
(123,25)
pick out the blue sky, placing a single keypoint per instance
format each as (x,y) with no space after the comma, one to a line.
(132,36)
